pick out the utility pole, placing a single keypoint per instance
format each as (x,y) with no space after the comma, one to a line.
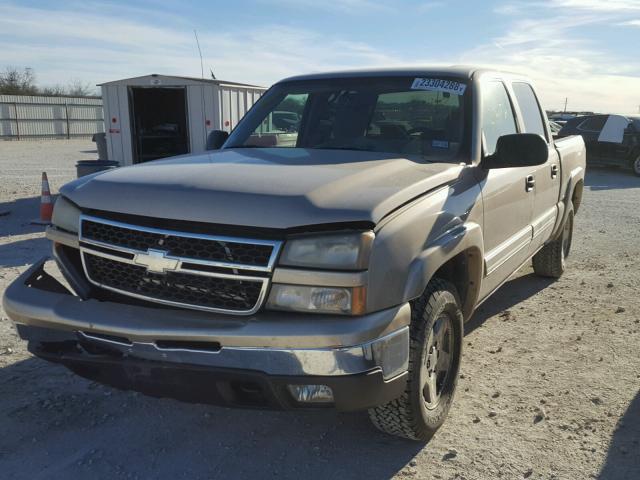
(566,99)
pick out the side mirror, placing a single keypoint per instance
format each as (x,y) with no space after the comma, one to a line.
(517,150)
(216,139)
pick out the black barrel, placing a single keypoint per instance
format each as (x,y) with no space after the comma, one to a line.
(87,167)
(100,140)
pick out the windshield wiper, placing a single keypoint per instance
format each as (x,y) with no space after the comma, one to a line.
(357,149)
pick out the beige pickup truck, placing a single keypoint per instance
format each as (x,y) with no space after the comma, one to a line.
(327,253)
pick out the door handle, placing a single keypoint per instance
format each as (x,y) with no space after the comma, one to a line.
(554,170)
(530,183)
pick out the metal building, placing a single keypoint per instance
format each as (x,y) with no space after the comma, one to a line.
(25,117)
(158,116)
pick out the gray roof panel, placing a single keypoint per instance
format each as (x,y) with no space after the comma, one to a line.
(191,79)
(462,72)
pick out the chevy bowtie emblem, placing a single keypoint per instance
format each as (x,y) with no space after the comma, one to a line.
(156,261)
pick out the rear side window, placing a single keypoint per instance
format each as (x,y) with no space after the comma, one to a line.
(497,115)
(529,108)
(593,124)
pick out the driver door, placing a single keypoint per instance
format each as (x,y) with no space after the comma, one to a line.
(507,197)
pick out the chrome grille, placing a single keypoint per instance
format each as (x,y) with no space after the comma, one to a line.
(195,247)
(186,289)
(203,272)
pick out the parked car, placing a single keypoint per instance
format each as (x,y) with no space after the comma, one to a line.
(286,121)
(555,127)
(336,269)
(611,140)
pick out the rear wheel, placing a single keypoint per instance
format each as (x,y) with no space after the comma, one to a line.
(434,363)
(636,166)
(551,260)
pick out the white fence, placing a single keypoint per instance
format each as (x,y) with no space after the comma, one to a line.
(25,117)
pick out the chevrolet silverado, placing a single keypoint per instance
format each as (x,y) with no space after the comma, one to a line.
(329,260)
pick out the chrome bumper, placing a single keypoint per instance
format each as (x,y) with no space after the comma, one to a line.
(271,342)
(390,353)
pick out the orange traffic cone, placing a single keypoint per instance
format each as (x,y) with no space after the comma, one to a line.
(46,203)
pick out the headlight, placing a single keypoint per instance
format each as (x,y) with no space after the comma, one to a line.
(66,215)
(303,298)
(345,251)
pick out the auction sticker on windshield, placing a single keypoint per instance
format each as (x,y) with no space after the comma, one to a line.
(439,85)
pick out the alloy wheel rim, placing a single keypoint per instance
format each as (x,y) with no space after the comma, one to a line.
(636,166)
(435,371)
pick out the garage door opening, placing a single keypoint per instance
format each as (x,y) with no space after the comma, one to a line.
(159,123)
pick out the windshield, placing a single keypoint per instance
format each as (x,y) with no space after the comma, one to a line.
(406,115)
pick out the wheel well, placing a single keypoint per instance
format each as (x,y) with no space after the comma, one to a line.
(464,272)
(576,197)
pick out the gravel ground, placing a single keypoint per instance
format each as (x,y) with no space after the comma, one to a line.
(549,385)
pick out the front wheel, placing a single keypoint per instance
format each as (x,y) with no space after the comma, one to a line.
(435,351)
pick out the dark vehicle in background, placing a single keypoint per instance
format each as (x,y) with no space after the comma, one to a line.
(286,121)
(611,140)
(555,127)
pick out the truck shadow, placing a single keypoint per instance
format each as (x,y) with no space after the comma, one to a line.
(17,214)
(23,252)
(623,461)
(69,427)
(603,178)
(16,222)
(510,294)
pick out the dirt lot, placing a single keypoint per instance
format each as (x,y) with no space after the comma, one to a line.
(550,383)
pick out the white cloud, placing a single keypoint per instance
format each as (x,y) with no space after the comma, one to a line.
(598,5)
(67,44)
(630,23)
(551,43)
(353,7)
(428,6)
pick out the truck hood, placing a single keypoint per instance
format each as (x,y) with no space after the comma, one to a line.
(276,188)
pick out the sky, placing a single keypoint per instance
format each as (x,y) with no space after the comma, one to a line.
(585,51)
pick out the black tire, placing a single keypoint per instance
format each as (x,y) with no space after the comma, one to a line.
(550,261)
(415,415)
(635,166)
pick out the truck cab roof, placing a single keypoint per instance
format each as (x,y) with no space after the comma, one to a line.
(463,72)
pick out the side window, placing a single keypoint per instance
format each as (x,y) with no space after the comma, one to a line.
(529,108)
(280,128)
(497,115)
(593,124)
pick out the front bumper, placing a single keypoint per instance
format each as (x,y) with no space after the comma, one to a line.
(209,358)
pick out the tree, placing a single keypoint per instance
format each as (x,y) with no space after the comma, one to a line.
(292,104)
(77,88)
(54,91)
(13,81)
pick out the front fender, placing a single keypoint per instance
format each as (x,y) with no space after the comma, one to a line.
(411,245)
(466,239)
